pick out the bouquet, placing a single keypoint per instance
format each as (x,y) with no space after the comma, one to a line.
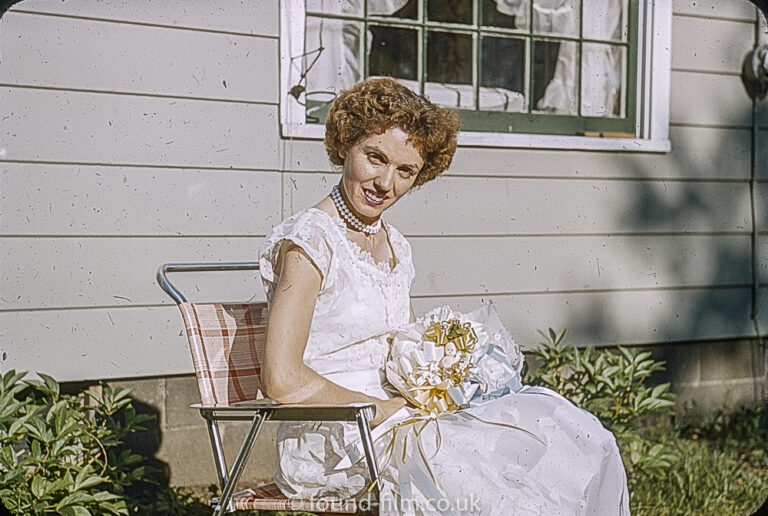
(447,360)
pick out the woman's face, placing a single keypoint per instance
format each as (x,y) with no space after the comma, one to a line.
(378,170)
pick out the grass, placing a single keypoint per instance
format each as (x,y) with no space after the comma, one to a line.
(721,465)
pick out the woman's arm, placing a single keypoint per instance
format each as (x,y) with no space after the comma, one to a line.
(285,377)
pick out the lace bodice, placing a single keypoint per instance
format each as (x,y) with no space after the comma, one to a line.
(358,298)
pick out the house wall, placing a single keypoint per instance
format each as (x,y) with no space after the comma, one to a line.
(134,134)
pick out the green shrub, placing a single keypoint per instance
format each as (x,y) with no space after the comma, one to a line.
(59,455)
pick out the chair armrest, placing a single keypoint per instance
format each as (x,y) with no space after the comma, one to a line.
(287,412)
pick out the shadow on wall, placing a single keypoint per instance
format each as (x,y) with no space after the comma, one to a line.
(708,225)
(147,443)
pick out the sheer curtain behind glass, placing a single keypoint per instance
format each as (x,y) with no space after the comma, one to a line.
(341,44)
(602,64)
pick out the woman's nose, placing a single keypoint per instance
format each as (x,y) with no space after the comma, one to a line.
(385,179)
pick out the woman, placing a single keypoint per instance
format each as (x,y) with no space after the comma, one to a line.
(338,278)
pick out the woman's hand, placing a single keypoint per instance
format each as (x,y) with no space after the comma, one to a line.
(385,408)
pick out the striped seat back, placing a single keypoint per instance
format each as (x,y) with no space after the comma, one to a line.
(227,344)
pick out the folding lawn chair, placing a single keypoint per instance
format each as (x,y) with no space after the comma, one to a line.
(227,343)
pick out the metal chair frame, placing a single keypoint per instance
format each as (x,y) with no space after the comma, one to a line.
(259,411)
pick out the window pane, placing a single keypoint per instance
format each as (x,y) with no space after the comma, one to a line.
(333,57)
(449,57)
(554,76)
(556,17)
(393,52)
(406,9)
(503,74)
(510,15)
(455,11)
(606,20)
(602,80)
(354,7)
(449,69)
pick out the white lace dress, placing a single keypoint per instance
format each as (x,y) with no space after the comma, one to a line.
(530,452)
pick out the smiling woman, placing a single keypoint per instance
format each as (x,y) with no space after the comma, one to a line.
(338,279)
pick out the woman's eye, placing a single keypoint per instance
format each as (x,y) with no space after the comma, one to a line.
(406,173)
(373,158)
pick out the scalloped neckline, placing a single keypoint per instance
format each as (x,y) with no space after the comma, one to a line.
(364,256)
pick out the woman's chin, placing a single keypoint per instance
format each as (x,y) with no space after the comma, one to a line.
(369,213)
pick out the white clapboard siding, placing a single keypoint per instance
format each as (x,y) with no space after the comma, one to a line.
(80,127)
(75,53)
(127,201)
(90,272)
(720,100)
(697,153)
(762,263)
(525,206)
(238,16)
(98,343)
(125,342)
(618,317)
(47,273)
(715,53)
(730,9)
(762,303)
(761,206)
(475,265)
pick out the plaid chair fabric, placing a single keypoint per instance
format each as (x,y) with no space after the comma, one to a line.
(227,344)
(269,498)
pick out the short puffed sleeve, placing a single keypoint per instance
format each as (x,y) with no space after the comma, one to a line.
(307,229)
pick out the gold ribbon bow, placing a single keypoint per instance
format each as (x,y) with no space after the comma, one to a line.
(441,333)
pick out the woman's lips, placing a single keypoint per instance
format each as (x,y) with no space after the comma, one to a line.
(373,199)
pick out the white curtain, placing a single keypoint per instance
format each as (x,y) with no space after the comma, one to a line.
(602,66)
(339,64)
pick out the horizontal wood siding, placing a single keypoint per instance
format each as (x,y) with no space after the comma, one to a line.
(532,206)
(133,134)
(96,128)
(97,200)
(85,54)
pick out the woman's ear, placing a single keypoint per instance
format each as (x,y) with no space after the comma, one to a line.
(343,153)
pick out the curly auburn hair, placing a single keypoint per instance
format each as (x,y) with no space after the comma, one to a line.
(376,105)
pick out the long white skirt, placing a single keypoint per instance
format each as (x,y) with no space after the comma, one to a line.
(530,452)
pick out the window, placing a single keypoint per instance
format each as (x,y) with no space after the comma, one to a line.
(528,73)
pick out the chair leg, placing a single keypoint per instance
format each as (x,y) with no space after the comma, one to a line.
(364,426)
(217,447)
(238,465)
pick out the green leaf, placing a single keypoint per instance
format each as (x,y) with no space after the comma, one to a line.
(103,496)
(659,390)
(37,486)
(627,353)
(35,448)
(75,510)
(77,497)
(11,380)
(89,482)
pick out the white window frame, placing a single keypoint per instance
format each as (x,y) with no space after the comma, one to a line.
(653,92)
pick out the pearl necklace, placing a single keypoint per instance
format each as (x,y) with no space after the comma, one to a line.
(350,217)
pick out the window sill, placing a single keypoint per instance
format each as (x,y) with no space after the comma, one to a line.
(522,141)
